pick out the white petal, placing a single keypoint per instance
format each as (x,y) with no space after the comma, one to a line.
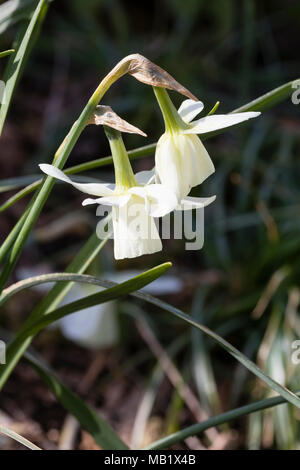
(168,166)
(93,327)
(140,192)
(95,189)
(161,200)
(144,177)
(218,121)
(135,232)
(156,177)
(113,200)
(190,109)
(182,162)
(194,203)
(89,201)
(199,165)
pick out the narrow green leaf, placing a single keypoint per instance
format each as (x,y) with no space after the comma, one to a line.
(44,279)
(16,197)
(16,62)
(17,437)
(112,293)
(6,53)
(215,421)
(201,361)
(13,11)
(15,183)
(102,433)
(79,265)
(284,392)
(89,420)
(7,244)
(10,239)
(270,99)
(137,283)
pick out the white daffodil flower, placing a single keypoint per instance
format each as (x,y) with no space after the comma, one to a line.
(133,210)
(135,199)
(181,159)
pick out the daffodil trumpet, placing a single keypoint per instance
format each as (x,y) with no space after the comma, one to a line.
(181,159)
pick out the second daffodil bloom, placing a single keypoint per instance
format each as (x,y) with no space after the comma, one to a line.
(134,200)
(181,159)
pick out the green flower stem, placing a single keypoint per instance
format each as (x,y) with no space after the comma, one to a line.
(135,154)
(60,159)
(173,121)
(123,171)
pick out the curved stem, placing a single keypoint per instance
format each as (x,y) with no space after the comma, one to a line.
(215,421)
(173,121)
(123,171)
(59,161)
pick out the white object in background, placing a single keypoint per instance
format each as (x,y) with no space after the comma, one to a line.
(93,327)
(97,327)
(162,286)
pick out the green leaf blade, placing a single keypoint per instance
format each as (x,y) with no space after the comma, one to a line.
(17,59)
(215,421)
(101,431)
(112,293)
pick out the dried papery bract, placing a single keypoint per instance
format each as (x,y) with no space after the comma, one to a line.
(140,68)
(147,72)
(105,116)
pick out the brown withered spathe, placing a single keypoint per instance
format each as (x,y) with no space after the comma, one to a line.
(149,73)
(105,116)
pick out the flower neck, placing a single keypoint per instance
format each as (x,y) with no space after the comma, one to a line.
(173,121)
(124,175)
